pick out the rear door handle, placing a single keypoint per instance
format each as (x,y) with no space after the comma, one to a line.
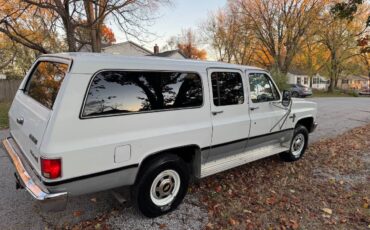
(217,112)
(20,120)
(254,108)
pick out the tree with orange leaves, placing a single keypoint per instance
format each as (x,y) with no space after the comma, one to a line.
(74,16)
(187,45)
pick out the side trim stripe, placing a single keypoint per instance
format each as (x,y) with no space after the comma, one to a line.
(89,176)
(244,139)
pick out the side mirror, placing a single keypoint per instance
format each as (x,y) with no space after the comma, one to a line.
(287,97)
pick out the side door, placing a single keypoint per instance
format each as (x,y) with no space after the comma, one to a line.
(268,116)
(229,112)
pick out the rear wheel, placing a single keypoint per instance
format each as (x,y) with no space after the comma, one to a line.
(298,144)
(162,185)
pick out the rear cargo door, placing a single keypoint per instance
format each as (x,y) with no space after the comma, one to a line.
(33,104)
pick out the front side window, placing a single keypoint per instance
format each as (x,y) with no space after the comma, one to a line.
(262,88)
(227,88)
(116,92)
(45,81)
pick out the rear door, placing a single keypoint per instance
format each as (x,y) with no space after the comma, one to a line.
(229,112)
(33,104)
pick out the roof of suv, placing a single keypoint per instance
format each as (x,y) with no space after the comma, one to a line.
(92,62)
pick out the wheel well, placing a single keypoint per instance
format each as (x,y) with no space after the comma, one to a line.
(186,153)
(306,122)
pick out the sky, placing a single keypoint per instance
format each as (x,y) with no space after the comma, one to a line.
(180,15)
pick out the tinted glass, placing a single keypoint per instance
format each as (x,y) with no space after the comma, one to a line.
(114,92)
(227,88)
(45,81)
(262,89)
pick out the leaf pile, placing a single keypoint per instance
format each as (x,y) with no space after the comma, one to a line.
(329,188)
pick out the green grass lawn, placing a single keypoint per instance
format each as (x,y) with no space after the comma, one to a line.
(4,108)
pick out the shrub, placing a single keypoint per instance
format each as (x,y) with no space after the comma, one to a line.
(280,79)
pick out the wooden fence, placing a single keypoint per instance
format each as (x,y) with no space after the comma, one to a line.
(8,89)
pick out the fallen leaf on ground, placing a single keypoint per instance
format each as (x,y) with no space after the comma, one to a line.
(209,226)
(232,221)
(327,210)
(218,188)
(77,213)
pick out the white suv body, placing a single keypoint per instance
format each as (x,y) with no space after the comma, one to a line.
(82,123)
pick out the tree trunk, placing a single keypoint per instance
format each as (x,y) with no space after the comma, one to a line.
(69,28)
(90,16)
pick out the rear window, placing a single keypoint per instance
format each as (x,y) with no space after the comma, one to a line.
(44,83)
(119,92)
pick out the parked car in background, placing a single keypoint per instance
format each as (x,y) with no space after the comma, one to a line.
(365,92)
(300,90)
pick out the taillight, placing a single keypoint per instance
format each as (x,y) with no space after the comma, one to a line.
(51,168)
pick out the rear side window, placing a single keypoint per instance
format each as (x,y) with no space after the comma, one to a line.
(44,83)
(117,92)
(227,88)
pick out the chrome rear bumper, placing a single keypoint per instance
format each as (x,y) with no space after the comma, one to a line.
(26,177)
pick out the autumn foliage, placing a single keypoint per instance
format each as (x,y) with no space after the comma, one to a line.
(192,52)
(108,35)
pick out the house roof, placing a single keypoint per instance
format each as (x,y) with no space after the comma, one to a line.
(356,77)
(168,53)
(131,43)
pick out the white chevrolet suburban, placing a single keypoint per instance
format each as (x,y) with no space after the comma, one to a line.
(82,123)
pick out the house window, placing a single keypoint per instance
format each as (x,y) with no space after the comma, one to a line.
(123,92)
(299,80)
(305,80)
(345,81)
(314,80)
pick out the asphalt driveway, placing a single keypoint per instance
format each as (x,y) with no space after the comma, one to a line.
(19,211)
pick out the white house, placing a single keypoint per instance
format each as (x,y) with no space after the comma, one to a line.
(318,82)
(2,76)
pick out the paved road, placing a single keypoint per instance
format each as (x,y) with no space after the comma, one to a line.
(19,211)
(337,115)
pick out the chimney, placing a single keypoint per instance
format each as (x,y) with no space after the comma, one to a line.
(156,49)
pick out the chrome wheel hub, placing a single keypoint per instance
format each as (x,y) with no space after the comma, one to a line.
(298,144)
(165,187)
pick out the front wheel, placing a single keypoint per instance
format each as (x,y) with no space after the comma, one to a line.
(161,186)
(298,144)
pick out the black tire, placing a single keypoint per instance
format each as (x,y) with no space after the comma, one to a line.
(290,155)
(295,94)
(141,192)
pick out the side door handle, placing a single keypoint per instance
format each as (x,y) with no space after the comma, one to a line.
(214,113)
(20,120)
(254,108)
